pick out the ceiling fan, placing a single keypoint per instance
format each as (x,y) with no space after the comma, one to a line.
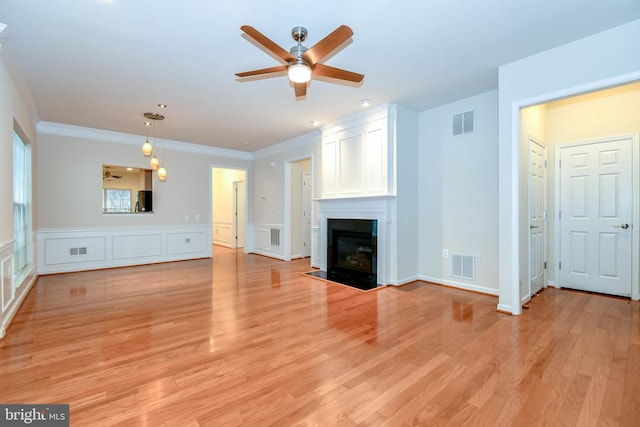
(107,175)
(303,63)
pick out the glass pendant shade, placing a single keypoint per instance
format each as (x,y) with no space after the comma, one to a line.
(147,149)
(299,73)
(155,163)
(162,173)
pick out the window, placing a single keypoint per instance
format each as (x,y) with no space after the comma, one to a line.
(116,200)
(21,204)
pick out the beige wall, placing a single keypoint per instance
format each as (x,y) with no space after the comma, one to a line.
(70,182)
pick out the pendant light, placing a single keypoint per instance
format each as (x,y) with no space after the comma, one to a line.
(147,148)
(155,163)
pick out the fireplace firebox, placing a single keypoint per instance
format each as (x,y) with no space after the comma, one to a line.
(352,252)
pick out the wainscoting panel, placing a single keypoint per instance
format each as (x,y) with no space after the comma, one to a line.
(263,242)
(185,243)
(13,290)
(75,250)
(6,278)
(136,246)
(222,231)
(65,250)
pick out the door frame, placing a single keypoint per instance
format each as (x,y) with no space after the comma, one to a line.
(287,203)
(635,203)
(532,140)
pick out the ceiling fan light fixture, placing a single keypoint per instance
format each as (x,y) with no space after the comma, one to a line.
(299,72)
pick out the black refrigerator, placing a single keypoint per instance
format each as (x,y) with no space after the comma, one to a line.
(145,201)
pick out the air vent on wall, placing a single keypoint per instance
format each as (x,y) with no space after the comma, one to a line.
(463,123)
(463,266)
(275,237)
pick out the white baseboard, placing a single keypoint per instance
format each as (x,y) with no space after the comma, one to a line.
(459,285)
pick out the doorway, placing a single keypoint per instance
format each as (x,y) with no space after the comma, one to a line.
(228,207)
(582,120)
(300,194)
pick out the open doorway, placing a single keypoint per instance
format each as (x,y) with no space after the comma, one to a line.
(582,189)
(300,206)
(228,207)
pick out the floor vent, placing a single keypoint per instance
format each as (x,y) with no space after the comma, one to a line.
(275,237)
(463,266)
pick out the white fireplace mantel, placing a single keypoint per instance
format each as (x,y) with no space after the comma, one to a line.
(379,208)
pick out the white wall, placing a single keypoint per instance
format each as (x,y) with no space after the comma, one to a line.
(404,268)
(601,60)
(458,195)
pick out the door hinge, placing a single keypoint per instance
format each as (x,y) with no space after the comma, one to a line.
(559,214)
(560,265)
(559,163)
(545,164)
(545,265)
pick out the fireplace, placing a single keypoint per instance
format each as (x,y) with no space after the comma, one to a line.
(352,252)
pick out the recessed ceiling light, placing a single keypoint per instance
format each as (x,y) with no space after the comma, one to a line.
(314,123)
(129,169)
(365,102)
(246,143)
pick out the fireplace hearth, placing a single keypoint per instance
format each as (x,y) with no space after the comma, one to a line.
(352,252)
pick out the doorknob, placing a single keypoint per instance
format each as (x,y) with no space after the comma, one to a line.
(623,226)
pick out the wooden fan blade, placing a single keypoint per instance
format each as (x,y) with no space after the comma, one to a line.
(327,44)
(337,73)
(267,43)
(301,89)
(278,69)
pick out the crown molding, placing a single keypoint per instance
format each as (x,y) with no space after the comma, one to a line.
(52,128)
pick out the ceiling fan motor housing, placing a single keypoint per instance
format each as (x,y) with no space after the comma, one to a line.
(299,34)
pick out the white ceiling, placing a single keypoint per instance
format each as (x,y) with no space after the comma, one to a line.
(102,64)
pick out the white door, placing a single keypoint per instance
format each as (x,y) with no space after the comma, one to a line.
(239,213)
(537,216)
(595,216)
(306,214)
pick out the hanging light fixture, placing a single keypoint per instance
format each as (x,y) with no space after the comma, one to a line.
(155,163)
(147,148)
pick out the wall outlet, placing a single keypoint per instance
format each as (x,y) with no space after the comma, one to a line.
(186,218)
(197,217)
(445,253)
(477,257)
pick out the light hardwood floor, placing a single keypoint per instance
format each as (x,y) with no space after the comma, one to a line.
(244,340)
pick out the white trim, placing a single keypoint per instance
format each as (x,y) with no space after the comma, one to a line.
(60,129)
(459,285)
(289,145)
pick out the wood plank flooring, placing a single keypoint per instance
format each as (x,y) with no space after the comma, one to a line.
(244,340)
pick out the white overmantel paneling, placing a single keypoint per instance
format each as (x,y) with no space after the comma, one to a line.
(358,155)
(379,208)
